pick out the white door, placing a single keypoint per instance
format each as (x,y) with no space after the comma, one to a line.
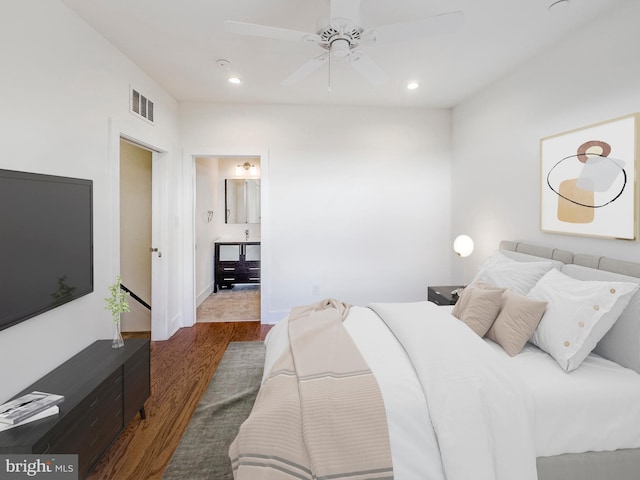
(159,283)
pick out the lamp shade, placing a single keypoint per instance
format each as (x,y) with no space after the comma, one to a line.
(463,245)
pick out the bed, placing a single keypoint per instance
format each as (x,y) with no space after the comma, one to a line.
(535,373)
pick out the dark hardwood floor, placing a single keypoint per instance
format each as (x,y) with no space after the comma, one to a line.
(181,369)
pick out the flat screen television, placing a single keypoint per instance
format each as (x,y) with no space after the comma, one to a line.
(46,243)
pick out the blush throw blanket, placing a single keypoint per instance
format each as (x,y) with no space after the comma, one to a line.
(319,413)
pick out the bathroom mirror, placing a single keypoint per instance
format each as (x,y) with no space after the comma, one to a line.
(242,200)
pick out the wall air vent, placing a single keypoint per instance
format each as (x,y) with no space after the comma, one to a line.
(141,105)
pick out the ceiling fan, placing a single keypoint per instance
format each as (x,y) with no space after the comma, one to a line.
(342,36)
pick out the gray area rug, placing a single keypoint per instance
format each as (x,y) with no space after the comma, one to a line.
(203,450)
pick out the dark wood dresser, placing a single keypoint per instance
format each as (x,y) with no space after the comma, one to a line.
(104,388)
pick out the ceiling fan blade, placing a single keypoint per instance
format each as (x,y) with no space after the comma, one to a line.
(345,9)
(408,31)
(306,69)
(366,67)
(266,31)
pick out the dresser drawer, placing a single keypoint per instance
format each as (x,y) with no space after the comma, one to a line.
(231,278)
(58,439)
(252,271)
(102,431)
(228,273)
(93,427)
(230,269)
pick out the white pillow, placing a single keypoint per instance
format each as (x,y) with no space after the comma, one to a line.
(579,313)
(504,272)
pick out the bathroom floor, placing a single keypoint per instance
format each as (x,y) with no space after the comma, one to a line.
(238,304)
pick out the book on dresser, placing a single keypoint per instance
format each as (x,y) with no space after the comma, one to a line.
(55,410)
(28,405)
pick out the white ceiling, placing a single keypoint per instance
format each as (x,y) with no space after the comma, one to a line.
(177,43)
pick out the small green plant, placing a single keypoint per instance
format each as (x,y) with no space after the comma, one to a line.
(117,302)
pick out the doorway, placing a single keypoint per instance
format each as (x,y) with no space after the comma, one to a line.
(136,186)
(241,302)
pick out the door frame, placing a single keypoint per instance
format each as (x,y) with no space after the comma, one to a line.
(160,329)
(189,214)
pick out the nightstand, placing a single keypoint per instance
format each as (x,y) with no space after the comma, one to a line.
(443,295)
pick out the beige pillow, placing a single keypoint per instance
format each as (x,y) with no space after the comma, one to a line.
(516,322)
(463,298)
(481,308)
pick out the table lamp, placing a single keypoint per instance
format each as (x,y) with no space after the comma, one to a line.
(463,246)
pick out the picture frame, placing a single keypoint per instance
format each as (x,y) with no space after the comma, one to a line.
(589,180)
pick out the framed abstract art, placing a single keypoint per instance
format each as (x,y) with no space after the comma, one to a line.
(588,183)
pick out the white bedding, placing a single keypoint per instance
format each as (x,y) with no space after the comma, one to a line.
(596,407)
(593,408)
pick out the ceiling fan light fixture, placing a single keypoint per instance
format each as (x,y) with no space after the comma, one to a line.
(342,35)
(340,47)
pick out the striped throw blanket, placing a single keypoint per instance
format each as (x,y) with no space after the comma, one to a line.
(319,414)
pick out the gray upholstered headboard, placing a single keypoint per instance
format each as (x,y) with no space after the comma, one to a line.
(622,343)
(537,251)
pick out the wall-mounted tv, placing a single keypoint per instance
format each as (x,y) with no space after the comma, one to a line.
(46,243)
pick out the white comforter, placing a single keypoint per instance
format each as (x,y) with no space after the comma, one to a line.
(479,421)
(594,408)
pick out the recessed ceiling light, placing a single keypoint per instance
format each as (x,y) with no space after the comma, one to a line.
(413,85)
(226,66)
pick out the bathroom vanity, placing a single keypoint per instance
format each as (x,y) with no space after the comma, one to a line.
(236,262)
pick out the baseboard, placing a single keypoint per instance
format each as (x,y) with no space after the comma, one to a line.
(204,294)
(271,317)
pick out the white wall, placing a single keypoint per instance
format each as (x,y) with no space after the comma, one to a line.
(358,199)
(591,77)
(206,226)
(62,88)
